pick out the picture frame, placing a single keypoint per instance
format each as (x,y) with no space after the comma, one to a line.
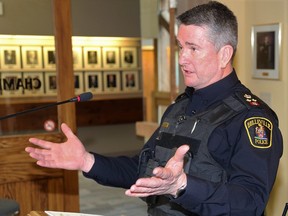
(78,83)
(49,57)
(50,83)
(10,58)
(129,57)
(111,57)
(32,57)
(130,81)
(266,43)
(92,57)
(111,81)
(10,84)
(93,82)
(34,83)
(77,58)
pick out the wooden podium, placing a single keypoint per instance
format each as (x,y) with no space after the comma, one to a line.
(34,187)
(37,213)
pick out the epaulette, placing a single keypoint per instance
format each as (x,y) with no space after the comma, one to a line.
(250,100)
(181,97)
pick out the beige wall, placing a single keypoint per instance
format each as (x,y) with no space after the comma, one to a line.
(256,12)
(111,18)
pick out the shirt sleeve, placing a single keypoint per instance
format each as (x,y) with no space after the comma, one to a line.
(250,156)
(114,171)
(119,171)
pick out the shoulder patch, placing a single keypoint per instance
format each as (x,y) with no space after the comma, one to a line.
(259,131)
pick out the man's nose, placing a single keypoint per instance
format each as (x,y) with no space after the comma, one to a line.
(183,57)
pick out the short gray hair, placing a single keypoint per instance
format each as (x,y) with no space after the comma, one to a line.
(219,19)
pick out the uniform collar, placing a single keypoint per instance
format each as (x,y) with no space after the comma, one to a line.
(215,90)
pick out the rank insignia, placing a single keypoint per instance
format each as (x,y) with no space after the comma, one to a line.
(259,131)
(252,101)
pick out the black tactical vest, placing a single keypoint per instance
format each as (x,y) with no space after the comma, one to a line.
(177,129)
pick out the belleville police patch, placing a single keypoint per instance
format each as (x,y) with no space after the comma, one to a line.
(259,131)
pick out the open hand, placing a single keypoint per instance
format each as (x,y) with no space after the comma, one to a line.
(70,155)
(166,180)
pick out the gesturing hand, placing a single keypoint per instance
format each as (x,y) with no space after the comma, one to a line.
(166,180)
(70,155)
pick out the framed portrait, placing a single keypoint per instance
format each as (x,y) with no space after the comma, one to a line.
(49,58)
(31,57)
(92,57)
(12,84)
(10,57)
(78,82)
(129,58)
(77,58)
(111,57)
(50,83)
(130,81)
(266,45)
(93,81)
(112,81)
(34,83)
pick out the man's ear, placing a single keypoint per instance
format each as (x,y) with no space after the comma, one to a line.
(225,55)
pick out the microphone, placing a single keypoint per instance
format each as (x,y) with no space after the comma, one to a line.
(86,96)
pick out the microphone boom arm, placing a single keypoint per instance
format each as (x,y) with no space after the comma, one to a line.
(82,97)
(33,109)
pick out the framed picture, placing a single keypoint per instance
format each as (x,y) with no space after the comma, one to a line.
(78,82)
(111,57)
(93,81)
(266,51)
(129,57)
(34,83)
(112,81)
(10,57)
(49,58)
(31,57)
(12,84)
(77,58)
(92,57)
(50,83)
(130,81)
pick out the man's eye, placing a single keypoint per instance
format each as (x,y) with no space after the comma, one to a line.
(193,48)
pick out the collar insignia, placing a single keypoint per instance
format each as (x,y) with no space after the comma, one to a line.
(259,131)
(165,124)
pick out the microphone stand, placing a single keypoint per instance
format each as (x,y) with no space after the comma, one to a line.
(34,109)
(80,98)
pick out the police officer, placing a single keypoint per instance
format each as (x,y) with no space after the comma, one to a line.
(218,147)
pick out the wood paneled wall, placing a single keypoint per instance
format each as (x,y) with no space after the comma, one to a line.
(33,187)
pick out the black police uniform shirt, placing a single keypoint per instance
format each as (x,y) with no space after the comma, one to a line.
(251,170)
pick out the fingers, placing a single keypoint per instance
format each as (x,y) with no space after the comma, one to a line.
(174,164)
(165,179)
(46,144)
(152,182)
(41,143)
(67,131)
(180,153)
(144,187)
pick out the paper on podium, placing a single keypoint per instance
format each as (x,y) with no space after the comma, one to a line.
(58,213)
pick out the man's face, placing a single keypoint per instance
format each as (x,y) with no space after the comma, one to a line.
(198,58)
